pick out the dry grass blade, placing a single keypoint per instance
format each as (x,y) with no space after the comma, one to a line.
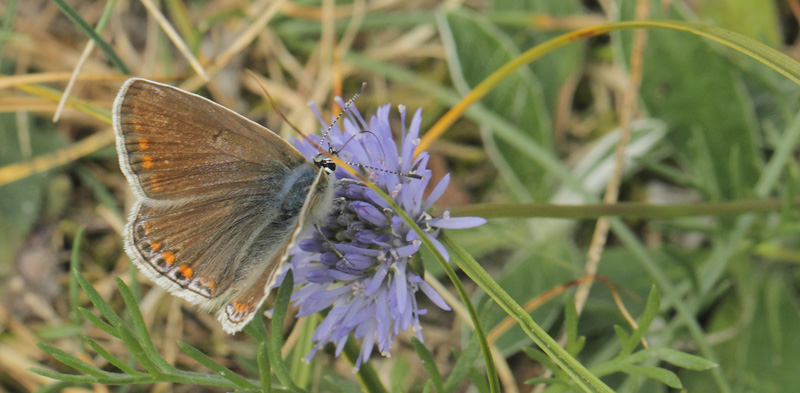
(13,172)
(175,38)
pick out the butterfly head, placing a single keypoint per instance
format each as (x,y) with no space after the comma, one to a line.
(325,163)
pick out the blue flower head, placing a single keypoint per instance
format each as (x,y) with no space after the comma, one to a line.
(371,292)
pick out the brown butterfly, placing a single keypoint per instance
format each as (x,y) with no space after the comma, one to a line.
(220,199)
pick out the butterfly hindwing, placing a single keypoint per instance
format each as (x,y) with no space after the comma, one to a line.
(243,305)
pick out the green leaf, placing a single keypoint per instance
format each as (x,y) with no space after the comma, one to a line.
(686,93)
(763,356)
(464,362)
(574,343)
(545,361)
(257,330)
(132,342)
(141,329)
(299,369)
(71,377)
(98,322)
(111,358)
(280,307)
(430,365)
(622,334)
(650,312)
(72,361)
(683,360)
(212,365)
(665,376)
(100,304)
(264,373)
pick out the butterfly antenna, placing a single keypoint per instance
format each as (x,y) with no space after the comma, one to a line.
(339,116)
(402,174)
(272,103)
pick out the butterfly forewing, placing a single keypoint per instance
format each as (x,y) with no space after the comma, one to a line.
(180,145)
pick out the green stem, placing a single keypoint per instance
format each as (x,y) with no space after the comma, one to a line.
(622,210)
(367,376)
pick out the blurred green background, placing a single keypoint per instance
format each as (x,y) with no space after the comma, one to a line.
(709,125)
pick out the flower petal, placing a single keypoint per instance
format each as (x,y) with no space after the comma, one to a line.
(457,222)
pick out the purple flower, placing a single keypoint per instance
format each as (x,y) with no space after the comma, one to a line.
(361,270)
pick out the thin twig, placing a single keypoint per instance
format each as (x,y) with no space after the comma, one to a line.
(627,112)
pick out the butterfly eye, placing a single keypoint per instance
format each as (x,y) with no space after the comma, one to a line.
(323,162)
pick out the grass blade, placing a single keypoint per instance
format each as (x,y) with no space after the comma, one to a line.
(74,265)
(98,322)
(141,329)
(263,367)
(429,364)
(212,365)
(576,371)
(76,18)
(72,361)
(111,358)
(100,304)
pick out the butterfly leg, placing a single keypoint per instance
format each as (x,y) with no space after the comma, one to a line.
(335,251)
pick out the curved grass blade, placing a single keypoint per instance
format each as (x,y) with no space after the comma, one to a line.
(770,57)
(576,371)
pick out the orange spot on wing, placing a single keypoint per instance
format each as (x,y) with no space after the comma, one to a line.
(169,257)
(143,144)
(147,229)
(185,270)
(147,162)
(211,285)
(156,246)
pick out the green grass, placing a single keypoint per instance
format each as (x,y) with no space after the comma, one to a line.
(703,252)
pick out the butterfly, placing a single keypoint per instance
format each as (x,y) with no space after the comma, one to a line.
(220,199)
